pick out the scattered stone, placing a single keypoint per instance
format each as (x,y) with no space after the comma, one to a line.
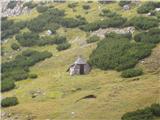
(157,9)
(142,61)
(49,32)
(126,7)
(149,14)
(36,93)
(76,89)
(3,114)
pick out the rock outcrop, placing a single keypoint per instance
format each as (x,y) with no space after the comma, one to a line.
(17,10)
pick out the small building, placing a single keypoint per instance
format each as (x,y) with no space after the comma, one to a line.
(79,67)
(126,7)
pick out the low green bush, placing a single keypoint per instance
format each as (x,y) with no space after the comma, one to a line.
(37,24)
(123,2)
(90,27)
(63,46)
(42,8)
(152,36)
(18,69)
(28,39)
(116,21)
(9,101)
(86,7)
(148,113)
(125,35)
(147,7)
(30,4)
(117,52)
(7,85)
(73,5)
(144,114)
(155,108)
(143,23)
(131,72)
(15,46)
(92,39)
(52,26)
(10,28)
(33,76)
(59,39)
(71,22)
(108,13)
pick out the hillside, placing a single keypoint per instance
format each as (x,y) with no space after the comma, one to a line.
(54,93)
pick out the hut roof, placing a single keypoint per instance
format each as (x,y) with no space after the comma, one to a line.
(80,61)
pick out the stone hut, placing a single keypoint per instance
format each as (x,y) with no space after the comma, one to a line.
(79,67)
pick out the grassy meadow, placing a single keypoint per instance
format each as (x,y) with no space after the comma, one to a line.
(60,91)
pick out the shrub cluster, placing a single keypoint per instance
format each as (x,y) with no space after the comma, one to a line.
(105,1)
(86,7)
(122,2)
(125,35)
(28,39)
(90,26)
(117,52)
(10,28)
(30,4)
(7,85)
(92,39)
(54,18)
(147,7)
(50,16)
(52,26)
(32,39)
(33,76)
(9,101)
(116,21)
(71,22)
(18,68)
(15,46)
(143,23)
(144,114)
(155,108)
(147,113)
(131,72)
(108,13)
(42,8)
(36,24)
(152,36)
(63,46)
(73,5)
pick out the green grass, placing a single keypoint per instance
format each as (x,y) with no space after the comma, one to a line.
(115,95)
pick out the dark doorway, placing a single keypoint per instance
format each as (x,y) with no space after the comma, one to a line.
(81,69)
